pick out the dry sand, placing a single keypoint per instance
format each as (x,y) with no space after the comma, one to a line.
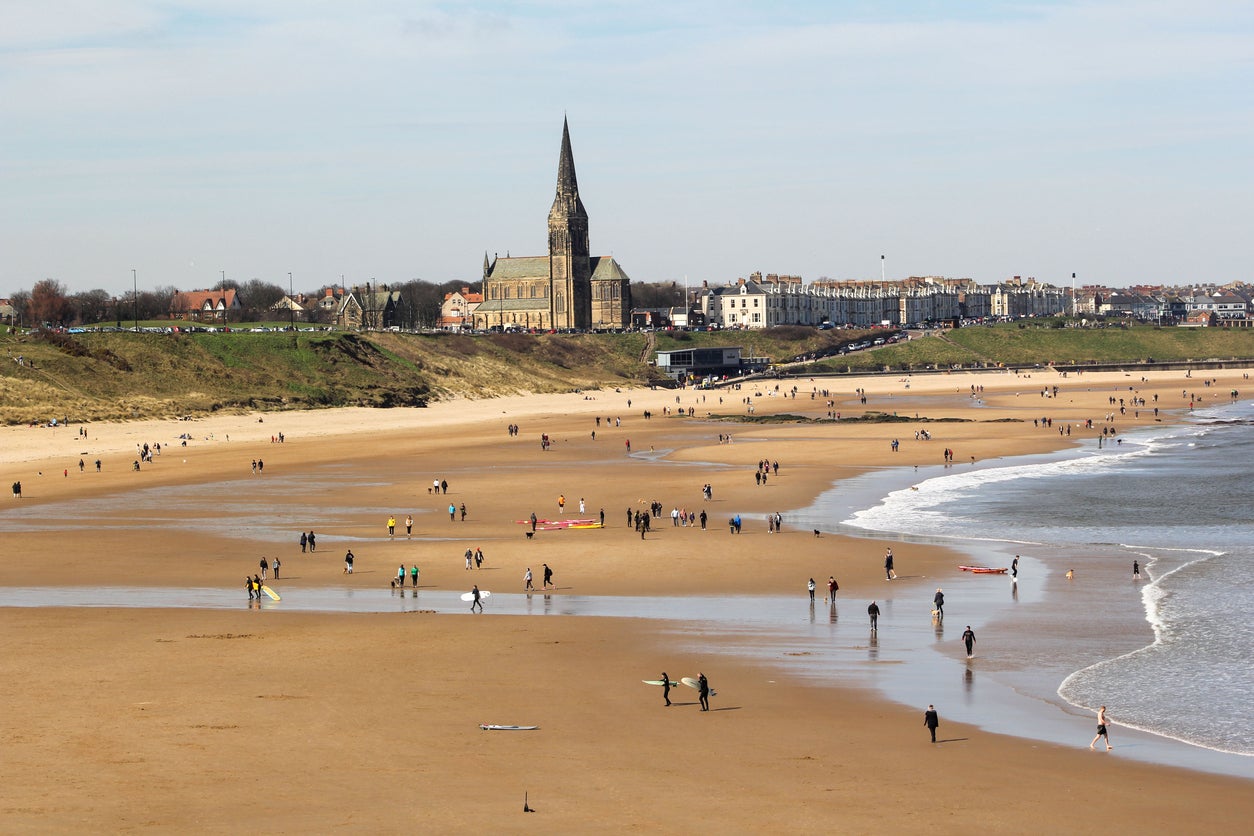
(237,720)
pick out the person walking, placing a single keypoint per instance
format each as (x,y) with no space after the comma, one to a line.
(304,541)
(476,600)
(275,567)
(391,526)
(548,576)
(939,601)
(832,587)
(527,580)
(889,574)
(1136,570)
(874,612)
(348,562)
(409,525)
(1101,729)
(968,638)
(533,522)
(666,688)
(413,574)
(703,691)
(931,720)
(248,584)
(400,576)
(462,510)
(470,558)
(1014,569)
(313,544)
(452,512)
(811,587)
(264,566)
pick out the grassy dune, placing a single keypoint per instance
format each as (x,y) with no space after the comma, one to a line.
(98,376)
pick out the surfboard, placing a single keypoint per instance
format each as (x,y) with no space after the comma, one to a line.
(659,682)
(691,682)
(983,570)
(274,596)
(470,596)
(494,727)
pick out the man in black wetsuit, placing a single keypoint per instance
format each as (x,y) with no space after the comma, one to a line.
(874,612)
(968,638)
(666,688)
(703,690)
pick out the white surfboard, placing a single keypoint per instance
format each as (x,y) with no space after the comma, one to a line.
(692,682)
(470,596)
(494,727)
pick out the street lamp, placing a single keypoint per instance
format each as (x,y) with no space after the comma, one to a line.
(135,296)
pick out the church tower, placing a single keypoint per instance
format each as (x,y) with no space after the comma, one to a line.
(570,270)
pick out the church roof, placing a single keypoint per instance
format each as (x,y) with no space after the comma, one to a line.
(520,267)
(605,268)
(541,304)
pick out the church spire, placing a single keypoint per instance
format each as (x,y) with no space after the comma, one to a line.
(566,203)
(566,180)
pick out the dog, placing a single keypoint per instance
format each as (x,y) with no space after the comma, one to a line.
(529,534)
(818,533)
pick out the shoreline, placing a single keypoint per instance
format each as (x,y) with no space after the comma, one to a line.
(1138,630)
(174,527)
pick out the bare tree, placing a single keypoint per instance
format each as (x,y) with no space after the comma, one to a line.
(48,303)
(90,307)
(258,297)
(657,294)
(20,300)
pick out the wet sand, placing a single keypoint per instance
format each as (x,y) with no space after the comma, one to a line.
(208,720)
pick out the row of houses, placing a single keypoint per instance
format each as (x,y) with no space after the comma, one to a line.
(764,302)
(1231,305)
(352,308)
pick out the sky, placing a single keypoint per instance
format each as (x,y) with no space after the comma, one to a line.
(391,140)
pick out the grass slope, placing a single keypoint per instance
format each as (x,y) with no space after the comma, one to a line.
(99,376)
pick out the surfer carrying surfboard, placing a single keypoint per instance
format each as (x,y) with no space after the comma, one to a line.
(703,691)
(666,688)
(477,599)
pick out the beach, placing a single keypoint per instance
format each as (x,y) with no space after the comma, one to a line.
(203,718)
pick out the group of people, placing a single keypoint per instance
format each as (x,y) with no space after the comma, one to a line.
(528,586)
(399,580)
(409,525)
(703,690)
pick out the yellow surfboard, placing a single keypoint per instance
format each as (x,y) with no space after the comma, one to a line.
(273,595)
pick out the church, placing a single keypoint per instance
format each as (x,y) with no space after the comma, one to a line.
(568,288)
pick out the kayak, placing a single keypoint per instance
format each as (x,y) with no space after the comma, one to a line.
(983,570)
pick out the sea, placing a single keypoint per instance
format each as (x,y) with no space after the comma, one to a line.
(1172,653)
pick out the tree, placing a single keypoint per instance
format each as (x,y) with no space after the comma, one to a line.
(90,307)
(657,294)
(21,304)
(48,303)
(258,296)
